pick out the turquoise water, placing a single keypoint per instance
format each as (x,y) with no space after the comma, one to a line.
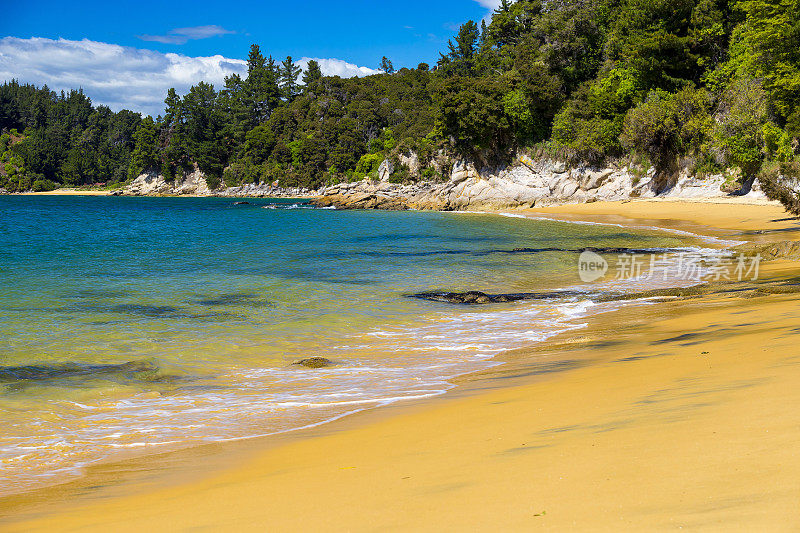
(140,324)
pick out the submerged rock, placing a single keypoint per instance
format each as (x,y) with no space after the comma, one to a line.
(480,298)
(314,362)
(145,370)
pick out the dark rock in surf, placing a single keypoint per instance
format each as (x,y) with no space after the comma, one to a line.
(480,298)
(468,298)
(241,203)
(315,362)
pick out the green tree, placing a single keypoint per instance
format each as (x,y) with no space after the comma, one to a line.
(771,39)
(261,87)
(386,65)
(666,125)
(173,135)
(312,74)
(204,124)
(289,72)
(473,115)
(145,155)
(259,144)
(738,128)
(462,50)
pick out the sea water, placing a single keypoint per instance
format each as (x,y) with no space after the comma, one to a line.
(144,324)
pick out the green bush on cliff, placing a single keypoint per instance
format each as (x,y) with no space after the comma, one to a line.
(781,181)
(665,125)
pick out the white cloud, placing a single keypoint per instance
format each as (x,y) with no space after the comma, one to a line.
(337,67)
(123,77)
(183,35)
(491,5)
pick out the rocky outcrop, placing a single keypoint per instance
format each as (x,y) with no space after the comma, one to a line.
(265,190)
(526,183)
(192,184)
(195,184)
(149,184)
(385,170)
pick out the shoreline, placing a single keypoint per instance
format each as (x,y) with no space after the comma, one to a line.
(84,192)
(469,387)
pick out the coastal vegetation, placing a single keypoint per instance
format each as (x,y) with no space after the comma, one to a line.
(708,85)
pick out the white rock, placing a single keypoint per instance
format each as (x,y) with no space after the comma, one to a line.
(385,170)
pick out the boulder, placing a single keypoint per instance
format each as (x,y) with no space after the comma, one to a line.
(314,362)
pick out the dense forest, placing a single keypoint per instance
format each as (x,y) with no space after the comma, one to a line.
(707,84)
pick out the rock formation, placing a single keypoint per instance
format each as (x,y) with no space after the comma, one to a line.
(195,184)
(526,183)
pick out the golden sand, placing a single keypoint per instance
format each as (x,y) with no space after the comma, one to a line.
(667,416)
(69,192)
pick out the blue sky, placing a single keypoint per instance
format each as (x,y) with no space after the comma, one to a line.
(358,31)
(128,54)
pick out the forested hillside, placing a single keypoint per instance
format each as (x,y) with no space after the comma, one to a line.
(709,84)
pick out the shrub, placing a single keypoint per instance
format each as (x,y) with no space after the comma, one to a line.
(777,144)
(43,185)
(243,171)
(401,174)
(369,163)
(213,181)
(738,129)
(781,182)
(667,125)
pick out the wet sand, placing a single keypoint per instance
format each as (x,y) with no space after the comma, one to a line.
(679,414)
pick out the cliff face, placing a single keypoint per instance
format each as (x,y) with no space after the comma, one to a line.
(195,184)
(527,183)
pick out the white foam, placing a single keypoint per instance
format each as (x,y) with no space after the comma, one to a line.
(416,362)
(727,243)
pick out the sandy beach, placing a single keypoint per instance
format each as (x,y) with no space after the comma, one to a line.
(69,192)
(675,415)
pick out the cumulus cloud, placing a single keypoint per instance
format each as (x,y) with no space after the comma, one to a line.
(123,77)
(184,35)
(491,5)
(338,67)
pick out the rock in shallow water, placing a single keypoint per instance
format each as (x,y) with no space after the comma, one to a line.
(479,298)
(470,298)
(315,362)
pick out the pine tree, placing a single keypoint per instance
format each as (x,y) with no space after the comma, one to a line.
(261,87)
(173,134)
(288,78)
(237,117)
(463,50)
(386,65)
(312,74)
(145,151)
